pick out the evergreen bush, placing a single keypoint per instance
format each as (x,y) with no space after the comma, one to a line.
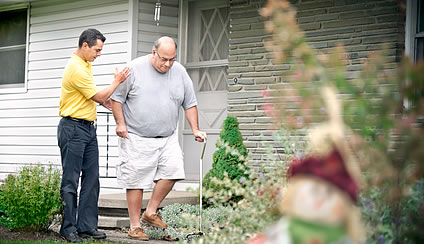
(30,199)
(228,161)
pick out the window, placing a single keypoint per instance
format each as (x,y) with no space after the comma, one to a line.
(414,44)
(207,37)
(13,49)
(414,34)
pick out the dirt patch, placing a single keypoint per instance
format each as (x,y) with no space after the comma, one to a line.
(6,234)
(113,236)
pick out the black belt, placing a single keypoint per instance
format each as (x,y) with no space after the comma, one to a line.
(159,136)
(82,121)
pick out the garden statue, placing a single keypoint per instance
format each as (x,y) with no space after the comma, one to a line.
(319,205)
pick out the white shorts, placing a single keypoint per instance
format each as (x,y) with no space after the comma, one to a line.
(143,161)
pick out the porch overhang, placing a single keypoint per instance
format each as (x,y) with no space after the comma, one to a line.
(4,3)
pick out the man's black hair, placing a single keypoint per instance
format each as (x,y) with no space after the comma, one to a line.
(90,36)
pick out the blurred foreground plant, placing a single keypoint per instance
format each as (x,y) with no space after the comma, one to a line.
(384,106)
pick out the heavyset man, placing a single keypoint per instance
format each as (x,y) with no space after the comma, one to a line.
(77,139)
(146,109)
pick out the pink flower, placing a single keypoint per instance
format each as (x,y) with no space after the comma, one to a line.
(266,93)
(297,75)
(269,109)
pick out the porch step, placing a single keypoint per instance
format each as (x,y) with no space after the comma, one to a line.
(113,211)
(113,222)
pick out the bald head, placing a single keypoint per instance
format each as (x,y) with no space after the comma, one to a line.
(164,54)
(164,41)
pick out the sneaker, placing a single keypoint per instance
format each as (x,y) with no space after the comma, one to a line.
(138,233)
(153,220)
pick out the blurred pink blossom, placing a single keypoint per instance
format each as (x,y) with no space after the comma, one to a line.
(269,109)
(297,75)
(266,93)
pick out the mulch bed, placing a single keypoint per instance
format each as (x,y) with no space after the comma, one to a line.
(6,234)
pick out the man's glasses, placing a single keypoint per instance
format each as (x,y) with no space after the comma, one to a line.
(164,60)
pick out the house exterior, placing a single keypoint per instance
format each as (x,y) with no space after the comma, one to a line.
(221,43)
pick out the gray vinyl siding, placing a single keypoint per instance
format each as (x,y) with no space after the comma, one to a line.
(148,31)
(28,121)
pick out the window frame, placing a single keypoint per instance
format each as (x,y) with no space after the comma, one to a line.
(411,29)
(24,89)
(184,37)
(411,22)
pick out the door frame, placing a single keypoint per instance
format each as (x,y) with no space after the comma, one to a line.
(183,41)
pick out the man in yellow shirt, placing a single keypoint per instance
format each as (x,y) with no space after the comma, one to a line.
(77,138)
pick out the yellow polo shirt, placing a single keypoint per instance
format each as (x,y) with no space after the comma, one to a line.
(78,88)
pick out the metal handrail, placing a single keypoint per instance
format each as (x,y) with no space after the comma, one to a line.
(107,144)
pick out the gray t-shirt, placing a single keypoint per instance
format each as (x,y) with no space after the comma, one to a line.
(151,100)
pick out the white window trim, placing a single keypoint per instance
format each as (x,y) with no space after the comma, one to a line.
(4,89)
(411,34)
(411,28)
(182,31)
(133,11)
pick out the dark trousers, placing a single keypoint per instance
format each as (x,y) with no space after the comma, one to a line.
(80,157)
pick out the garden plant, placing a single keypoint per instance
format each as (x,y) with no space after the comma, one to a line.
(182,219)
(229,162)
(30,199)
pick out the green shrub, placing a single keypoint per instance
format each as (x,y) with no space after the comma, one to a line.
(30,199)
(228,160)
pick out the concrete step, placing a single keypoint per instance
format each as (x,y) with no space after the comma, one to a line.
(113,212)
(118,200)
(113,222)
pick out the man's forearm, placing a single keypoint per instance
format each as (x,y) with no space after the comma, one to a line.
(103,95)
(118,112)
(118,77)
(192,118)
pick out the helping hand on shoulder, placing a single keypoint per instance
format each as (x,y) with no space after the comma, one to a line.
(122,75)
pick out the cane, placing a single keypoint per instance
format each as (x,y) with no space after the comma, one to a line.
(200,232)
(201,186)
